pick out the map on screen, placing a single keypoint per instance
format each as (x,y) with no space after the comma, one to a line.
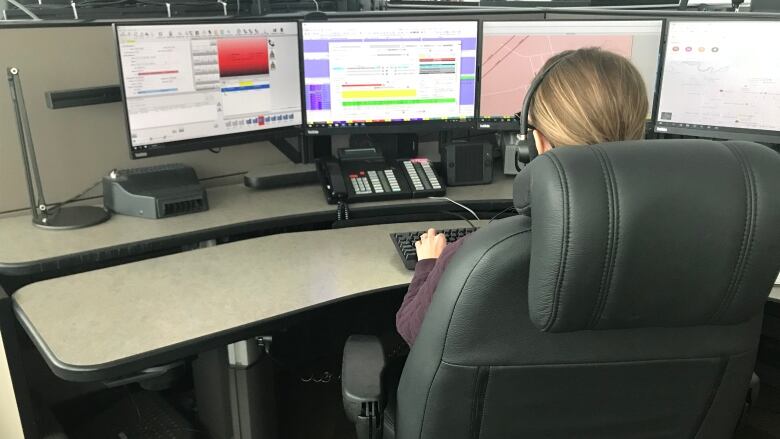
(513,52)
(510,62)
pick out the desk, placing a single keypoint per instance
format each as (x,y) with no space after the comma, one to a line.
(233,209)
(774,296)
(99,324)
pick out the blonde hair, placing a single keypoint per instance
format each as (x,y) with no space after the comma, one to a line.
(590,96)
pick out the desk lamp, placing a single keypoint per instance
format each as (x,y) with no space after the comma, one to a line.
(56,216)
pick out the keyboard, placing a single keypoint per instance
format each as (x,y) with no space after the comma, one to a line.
(404,243)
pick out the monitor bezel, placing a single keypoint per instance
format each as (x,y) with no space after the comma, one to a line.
(199,143)
(388,127)
(713,132)
(515,125)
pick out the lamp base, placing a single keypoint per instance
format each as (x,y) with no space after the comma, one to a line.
(75,217)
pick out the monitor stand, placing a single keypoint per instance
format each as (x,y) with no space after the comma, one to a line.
(298,171)
(392,146)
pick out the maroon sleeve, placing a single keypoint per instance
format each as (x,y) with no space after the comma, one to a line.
(426,276)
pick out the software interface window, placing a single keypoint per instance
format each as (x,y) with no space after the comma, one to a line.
(513,52)
(191,81)
(717,75)
(363,73)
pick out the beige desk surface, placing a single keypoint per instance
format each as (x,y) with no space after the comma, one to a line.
(109,315)
(23,243)
(775,294)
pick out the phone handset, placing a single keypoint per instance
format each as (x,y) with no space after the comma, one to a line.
(332,180)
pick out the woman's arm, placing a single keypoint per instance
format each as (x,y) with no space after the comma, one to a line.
(415,305)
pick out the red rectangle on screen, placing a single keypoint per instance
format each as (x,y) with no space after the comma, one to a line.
(242,56)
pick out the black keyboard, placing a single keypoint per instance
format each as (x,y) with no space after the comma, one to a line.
(404,243)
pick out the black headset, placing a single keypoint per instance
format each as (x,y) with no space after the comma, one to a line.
(526,150)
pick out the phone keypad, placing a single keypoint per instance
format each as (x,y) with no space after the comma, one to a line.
(360,184)
(416,181)
(376,182)
(394,186)
(426,167)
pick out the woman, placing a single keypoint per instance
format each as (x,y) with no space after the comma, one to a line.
(590,96)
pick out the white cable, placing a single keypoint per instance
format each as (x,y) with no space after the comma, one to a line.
(316,5)
(24,9)
(455,202)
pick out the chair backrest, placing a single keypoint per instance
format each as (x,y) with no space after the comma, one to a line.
(626,300)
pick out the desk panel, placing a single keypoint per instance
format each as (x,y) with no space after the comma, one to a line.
(91,324)
(26,248)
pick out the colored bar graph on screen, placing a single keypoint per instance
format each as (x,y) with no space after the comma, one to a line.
(385,93)
(400,102)
(246,87)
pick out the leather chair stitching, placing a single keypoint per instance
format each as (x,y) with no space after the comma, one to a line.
(428,395)
(615,230)
(449,322)
(753,199)
(713,395)
(484,398)
(601,299)
(604,363)
(475,409)
(740,263)
(564,243)
(480,389)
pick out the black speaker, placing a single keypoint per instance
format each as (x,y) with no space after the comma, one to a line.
(468,163)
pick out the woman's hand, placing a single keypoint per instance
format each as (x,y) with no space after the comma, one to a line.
(430,245)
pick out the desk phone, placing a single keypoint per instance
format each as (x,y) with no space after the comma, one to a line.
(363,174)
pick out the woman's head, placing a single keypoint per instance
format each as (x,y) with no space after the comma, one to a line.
(590,96)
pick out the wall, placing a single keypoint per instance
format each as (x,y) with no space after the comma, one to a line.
(76,146)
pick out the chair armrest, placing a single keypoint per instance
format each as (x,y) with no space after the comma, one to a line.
(361,384)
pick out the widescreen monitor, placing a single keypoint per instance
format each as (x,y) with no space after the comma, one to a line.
(194,86)
(390,76)
(721,80)
(513,52)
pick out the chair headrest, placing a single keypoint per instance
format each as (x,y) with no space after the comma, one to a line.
(651,233)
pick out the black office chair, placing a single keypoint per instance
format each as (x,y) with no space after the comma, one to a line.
(628,305)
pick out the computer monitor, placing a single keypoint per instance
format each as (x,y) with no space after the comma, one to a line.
(513,52)
(194,86)
(388,76)
(720,79)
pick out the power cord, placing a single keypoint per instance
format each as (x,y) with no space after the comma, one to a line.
(499,213)
(52,208)
(461,217)
(457,204)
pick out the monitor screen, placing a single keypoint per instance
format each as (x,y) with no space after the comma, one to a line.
(391,74)
(721,80)
(513,52)
(196,86)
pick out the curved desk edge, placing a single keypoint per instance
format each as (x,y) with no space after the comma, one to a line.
(168,354)
(377,213)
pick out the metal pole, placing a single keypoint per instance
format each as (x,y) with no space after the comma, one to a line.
(15,86)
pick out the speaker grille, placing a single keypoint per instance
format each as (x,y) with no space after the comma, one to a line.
(468,162)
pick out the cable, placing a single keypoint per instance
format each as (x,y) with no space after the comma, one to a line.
(456,203)
(499,213)
(55,206)
(216,150)
(461,217)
